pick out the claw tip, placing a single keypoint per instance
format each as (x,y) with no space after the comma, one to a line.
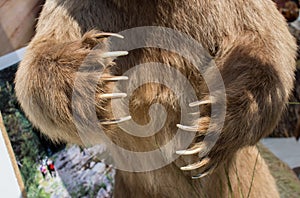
(114,54)
(180,152)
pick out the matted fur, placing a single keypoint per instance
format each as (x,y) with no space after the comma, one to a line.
(250,44)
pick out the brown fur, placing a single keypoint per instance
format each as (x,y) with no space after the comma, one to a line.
(250,44)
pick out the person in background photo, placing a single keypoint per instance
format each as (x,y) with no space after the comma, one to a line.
(43,170)
(51,168)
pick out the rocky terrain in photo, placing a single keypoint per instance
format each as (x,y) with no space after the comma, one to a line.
(80,174)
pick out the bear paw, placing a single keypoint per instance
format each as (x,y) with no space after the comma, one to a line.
(97,41)
(209,156)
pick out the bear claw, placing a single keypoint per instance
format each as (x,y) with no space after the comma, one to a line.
(108,34)
(187,128)
(114,54)
(114,78)
(189,151)
(196,165)
(115,121)
(113,95)
(193,150)
(205,173)
(200,102)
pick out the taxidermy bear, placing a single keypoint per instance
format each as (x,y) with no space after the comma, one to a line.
(71,78)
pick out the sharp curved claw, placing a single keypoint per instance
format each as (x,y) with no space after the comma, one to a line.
(187,128)
(195,113)
(200,102)
(113,95)
(205,173)
(114,78)
(115,121)
(200,175)
(114,54)
(108,34)
(191,151)
(196,165)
